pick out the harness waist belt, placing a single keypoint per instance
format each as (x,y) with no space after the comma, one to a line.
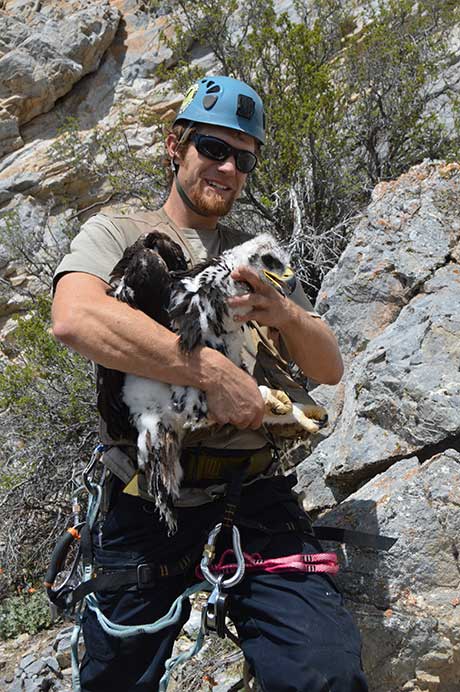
(202,465)
(143,576)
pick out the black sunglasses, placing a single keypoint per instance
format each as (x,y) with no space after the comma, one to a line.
(218,150)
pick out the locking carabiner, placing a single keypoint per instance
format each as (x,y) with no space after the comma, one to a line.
(209,552)
(215,610)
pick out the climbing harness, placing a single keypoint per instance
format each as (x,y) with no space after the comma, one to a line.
(61,581)
(72,587)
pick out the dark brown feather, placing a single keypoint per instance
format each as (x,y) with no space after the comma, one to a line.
(145,270)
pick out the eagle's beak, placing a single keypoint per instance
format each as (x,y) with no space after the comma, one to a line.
(284,283)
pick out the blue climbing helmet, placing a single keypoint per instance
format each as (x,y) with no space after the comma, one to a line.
(226,102)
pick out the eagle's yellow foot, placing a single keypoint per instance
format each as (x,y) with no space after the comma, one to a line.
(290,419)
(307,421)
(317,413)
(277,402)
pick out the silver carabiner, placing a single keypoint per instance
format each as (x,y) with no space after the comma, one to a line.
(96,455)
(208,557)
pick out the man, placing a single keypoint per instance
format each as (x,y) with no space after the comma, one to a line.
(294,630)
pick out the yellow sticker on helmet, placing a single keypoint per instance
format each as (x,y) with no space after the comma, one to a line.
(188,98)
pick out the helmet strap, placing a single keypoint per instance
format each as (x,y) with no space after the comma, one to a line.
(182,140)
(186,199)
(175,169)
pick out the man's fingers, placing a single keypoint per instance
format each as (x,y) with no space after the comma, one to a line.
(236,399)
(257,423)
(251,316)
(250,276)
(248,299)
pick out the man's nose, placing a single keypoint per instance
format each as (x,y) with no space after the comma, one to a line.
(227,166)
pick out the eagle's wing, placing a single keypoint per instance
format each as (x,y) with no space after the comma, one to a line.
(111,406)
(168,249)
(144,274)
(198,298)
(144,282)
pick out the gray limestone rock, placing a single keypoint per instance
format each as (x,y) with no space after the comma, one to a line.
(16,686)
(406,599)
(36,667)
(10,138)
(52,663)
(64,634)
(403,392)
(392,300)
(13,185)
(34,685)
(13,32)
(407,233)
(27,661)
(52,56)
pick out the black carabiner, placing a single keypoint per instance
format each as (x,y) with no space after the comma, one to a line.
(57,593)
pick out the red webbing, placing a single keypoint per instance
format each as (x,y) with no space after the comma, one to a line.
(309,562)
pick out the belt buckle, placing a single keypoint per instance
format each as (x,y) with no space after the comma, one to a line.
(145,575)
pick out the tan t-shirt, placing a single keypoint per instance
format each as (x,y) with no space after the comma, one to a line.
(100,245)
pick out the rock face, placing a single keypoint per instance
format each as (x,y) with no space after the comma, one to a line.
(390,462)
(406,600)
(393,302)
(124,42)
(43,59)
(37,663)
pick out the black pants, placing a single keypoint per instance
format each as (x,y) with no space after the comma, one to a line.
(294,630)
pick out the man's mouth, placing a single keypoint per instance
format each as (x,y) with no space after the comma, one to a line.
(217,186)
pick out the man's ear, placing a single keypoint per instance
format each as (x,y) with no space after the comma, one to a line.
(171,146)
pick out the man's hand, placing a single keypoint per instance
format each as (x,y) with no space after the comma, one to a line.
(265,305)
(308,339)
(233,396)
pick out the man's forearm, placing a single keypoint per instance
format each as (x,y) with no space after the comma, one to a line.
(312,345)
(117,336)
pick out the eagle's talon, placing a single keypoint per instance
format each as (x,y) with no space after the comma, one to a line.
(277,402)
(315,412)
(289,419)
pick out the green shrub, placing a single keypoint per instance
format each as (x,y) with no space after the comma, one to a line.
(105,157)
(48,409)
(348,90)
(27,612)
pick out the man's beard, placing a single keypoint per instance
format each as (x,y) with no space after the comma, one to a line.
(211,205)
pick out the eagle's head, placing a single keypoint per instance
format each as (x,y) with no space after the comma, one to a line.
(199,310)
(268,259)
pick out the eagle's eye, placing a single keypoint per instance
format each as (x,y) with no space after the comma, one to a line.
(272,262)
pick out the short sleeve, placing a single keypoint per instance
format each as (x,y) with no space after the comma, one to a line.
(300,299)
(95,250)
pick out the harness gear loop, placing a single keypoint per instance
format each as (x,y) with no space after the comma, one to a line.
(61,582)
